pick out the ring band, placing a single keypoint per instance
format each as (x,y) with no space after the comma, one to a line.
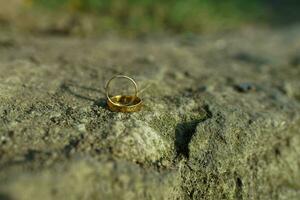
(119,76)
(123,103)
(118,107)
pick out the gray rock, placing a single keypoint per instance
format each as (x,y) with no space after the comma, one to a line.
(197,137)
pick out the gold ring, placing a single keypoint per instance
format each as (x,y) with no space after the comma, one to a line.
(123,103)
(115,105)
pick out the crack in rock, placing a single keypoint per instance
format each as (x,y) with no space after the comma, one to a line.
(184,132)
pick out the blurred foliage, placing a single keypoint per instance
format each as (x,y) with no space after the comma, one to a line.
(171,15)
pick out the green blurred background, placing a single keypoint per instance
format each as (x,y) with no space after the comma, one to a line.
(176,16)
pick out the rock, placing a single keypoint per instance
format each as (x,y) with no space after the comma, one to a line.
(244,87)
(295,61)
(87,179)
(197,136)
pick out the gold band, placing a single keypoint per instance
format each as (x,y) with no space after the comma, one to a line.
(116,103)
(123,103)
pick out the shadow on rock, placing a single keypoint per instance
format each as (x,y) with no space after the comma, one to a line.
(5,197)
(70,88)
(183,135)
(184,132)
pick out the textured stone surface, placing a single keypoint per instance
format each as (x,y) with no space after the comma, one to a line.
(221,117)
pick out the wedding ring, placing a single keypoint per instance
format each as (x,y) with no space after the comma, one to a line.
(116,103)
(123,103)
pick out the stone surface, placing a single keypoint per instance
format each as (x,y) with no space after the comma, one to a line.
(221,117)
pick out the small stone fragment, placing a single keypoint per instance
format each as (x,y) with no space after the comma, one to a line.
(244,87)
